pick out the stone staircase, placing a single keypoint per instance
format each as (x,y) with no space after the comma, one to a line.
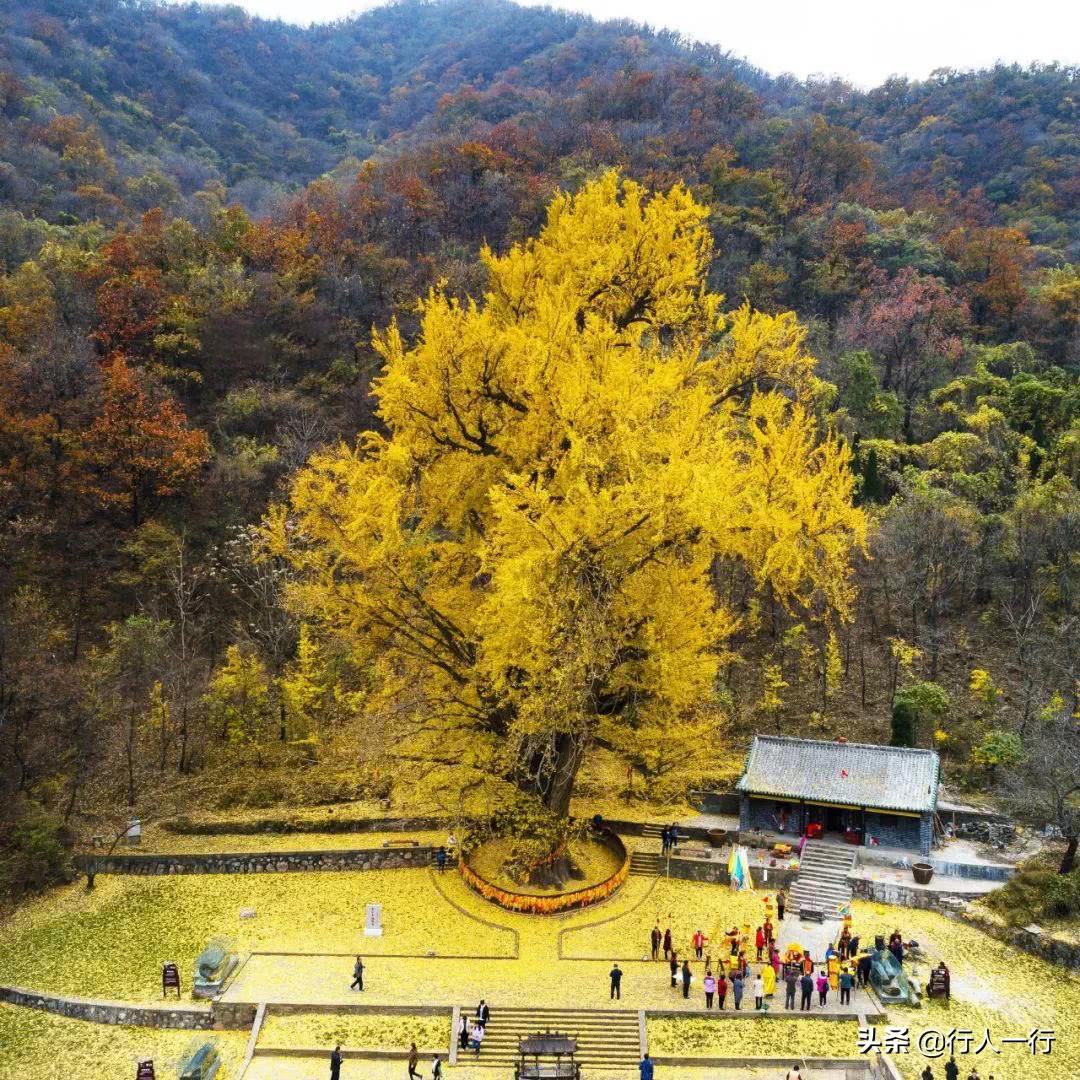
(822,884)
(646,863)
(606,1038)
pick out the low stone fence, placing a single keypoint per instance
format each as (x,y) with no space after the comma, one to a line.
(256,862)
(209,827)
(117,1012)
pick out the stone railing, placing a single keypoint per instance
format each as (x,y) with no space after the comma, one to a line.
(256,862)
(188,1017)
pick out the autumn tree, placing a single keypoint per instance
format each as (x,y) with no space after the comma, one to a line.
(526,554)
(913,327)
(139,448)
(1043,786)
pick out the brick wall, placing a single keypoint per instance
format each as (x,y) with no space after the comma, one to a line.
(891,830)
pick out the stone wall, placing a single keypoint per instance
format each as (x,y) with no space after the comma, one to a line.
(328,824)
(257,862)
(716,802)
(715,871)
(116,1012)
(1053,950)
(893,892)
(232,1015)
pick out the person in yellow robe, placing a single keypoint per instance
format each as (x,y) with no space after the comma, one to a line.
(768,977)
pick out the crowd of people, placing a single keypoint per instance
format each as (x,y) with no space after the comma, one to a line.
(747,965)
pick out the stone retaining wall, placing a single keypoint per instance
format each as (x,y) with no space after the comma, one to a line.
(192,827)
(892,892)
(1053,950)
(116,1012)
(256,862)
(716,872)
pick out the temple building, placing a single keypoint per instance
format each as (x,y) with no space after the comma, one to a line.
(865,794)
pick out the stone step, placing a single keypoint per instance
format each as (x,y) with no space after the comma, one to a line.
(810,893)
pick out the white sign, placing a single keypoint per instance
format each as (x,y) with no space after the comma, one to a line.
(373,921)
(134,831)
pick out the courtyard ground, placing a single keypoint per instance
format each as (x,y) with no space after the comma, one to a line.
(110,944)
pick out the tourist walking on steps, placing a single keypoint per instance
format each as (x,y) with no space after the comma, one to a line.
(668,950)
(791,982)
(674,968)
(710,988)
(463,1033)
(822,988)
(477,1037)
(655,938)
(759,993)
(806,985)
(483,1013)
(721,991)
(414,1058)
(645,1069)
(436,1068)
(737,990)
(335,1064)
(357,975)
(616,982)
(699,943)
(686,978)
(665,840)
(845,986)
(781,903)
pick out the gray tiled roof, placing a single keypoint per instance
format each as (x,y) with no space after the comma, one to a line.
(878,777)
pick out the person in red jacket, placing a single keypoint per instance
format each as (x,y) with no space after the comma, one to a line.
(759,941)
(721,990)
(699,944)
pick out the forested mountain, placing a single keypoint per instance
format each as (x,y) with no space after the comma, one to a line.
(203,215)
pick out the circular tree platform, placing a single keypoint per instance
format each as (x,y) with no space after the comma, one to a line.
(599,862)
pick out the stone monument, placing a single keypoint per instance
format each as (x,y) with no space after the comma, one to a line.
(373,920)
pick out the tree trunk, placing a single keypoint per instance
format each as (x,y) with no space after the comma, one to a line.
(131,758)
(569,753)
(1068,860)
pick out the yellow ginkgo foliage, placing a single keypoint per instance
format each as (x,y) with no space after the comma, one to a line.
(585,476)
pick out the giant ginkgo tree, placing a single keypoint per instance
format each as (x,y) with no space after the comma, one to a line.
(571,465)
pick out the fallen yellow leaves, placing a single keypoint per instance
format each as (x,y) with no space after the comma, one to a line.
(994,987)
(40,1046)
(157,839)
(752,1038)
(111,943)
(357,1031)
(685,906)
